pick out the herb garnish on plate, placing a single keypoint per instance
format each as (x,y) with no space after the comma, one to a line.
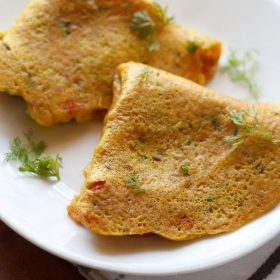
(30,159)
(241,69)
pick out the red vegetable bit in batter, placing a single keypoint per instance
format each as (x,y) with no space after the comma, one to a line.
(70,106)
(97,185)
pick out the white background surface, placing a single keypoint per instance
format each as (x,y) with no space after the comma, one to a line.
(36,208)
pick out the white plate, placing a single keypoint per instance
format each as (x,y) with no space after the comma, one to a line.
(36,208)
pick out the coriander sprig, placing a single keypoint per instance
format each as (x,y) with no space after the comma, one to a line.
(35,148)
(30,159)
(144,25)
(248,125)
(43,166)
(162,14)
(133,182)
(241,69)
(144,75)
(17,151)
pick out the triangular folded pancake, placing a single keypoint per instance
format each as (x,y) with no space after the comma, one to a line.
(60,55)
(162,165)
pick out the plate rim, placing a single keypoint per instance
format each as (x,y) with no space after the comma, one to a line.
(64,254)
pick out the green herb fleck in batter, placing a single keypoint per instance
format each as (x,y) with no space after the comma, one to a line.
(192,46)
(185,169)
(133,182)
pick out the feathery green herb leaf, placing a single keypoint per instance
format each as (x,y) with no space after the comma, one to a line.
(35,148)
(238,118)
(241,69)
(28,155)
(17,151)
(144,25)
(248,125)
(162,14)
(144,76)
(43,166)
(133,182)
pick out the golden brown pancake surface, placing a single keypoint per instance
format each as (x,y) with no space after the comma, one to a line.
(60,55)
(162,165)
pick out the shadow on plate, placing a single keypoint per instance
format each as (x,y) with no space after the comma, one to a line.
(124,245)
(137,244)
